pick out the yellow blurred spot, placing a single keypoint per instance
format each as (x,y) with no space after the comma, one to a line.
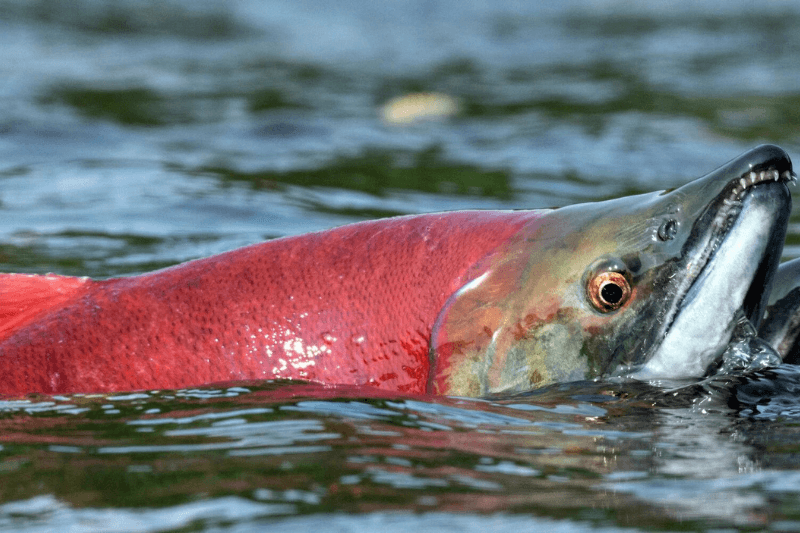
(419,106)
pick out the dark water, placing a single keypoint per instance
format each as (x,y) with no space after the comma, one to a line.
(138,134)
(579,457)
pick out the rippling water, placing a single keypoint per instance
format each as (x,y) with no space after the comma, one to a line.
(138,134)
(579,457)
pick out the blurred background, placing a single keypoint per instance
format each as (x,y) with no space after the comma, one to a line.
(137,134)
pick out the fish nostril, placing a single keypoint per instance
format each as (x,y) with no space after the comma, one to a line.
(668,229)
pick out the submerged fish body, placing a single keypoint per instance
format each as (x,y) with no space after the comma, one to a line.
(780,327)
(465,303)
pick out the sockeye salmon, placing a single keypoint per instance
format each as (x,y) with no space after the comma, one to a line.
(463,303)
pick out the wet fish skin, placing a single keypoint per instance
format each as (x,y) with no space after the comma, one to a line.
(780,326)
(694,260)
(465,303)
(352,305)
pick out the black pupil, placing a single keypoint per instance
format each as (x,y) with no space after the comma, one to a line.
(611,293)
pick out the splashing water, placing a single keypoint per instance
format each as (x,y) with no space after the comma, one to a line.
(747,352)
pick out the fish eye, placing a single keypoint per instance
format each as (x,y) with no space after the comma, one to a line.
(668,229)
(608,291)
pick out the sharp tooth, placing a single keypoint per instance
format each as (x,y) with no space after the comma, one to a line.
(776,175)
(743,183)
(752,176)
(762,176)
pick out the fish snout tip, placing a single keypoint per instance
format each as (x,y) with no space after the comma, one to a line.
(768,157)
(762,165)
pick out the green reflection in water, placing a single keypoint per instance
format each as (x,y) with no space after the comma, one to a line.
(132,106)
(377,171)
(132,18)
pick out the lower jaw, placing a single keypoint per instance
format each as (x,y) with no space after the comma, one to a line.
(703,329)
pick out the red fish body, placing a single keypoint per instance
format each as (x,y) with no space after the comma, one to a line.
(649,286)
(353,305)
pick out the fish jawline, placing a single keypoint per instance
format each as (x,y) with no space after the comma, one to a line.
(708,313)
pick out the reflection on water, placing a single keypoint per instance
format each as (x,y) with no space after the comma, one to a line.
(136,134)
(583,456)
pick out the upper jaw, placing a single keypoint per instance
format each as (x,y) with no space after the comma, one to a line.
(762,176)
(757,180)
(727,262)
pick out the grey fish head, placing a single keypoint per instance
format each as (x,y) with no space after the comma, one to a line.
(648,286)
(780,325)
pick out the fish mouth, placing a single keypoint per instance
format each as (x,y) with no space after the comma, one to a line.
(727,263)
(755,187)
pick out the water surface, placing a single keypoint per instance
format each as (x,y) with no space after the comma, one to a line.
(138,134)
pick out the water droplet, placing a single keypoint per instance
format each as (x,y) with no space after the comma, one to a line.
(357,339)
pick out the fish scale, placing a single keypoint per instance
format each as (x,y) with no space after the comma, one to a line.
(464,303)
(352,305)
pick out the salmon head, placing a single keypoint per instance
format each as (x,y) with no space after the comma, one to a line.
(649,286)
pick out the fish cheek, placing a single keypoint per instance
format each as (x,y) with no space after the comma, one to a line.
(519,355)
(549,352)
(624,336)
